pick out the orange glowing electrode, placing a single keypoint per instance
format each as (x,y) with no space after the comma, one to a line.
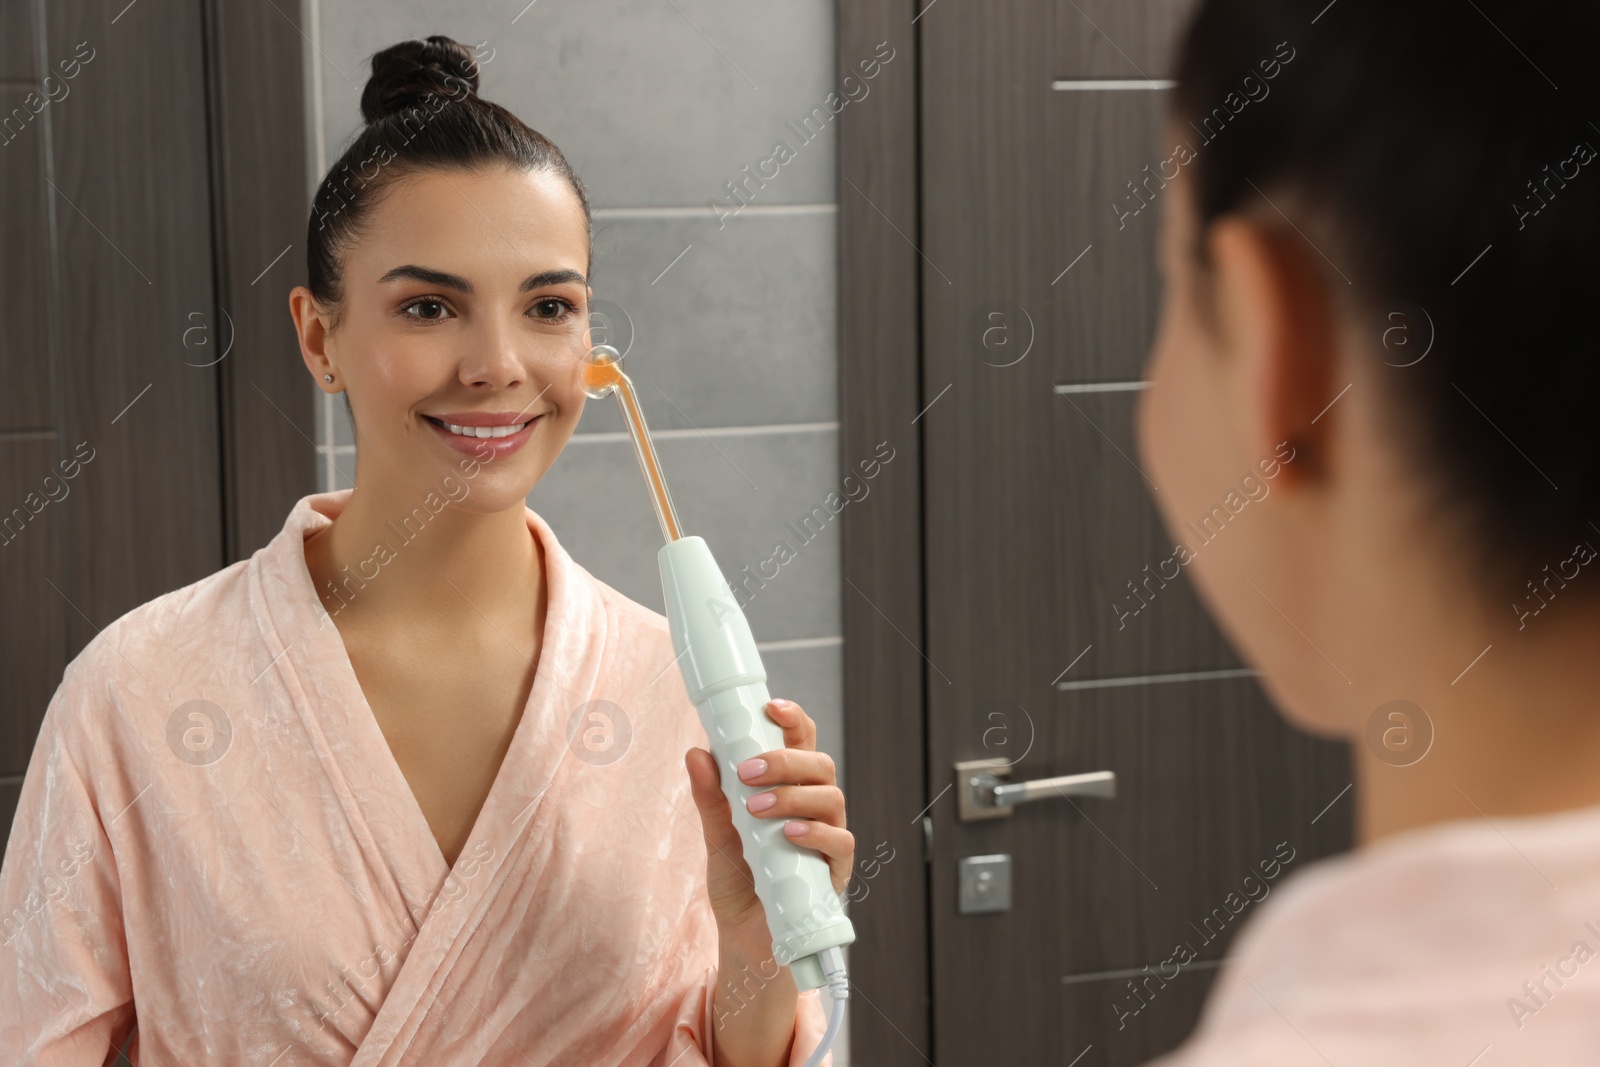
(602,375)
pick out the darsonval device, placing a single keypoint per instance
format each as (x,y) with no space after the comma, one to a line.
(723,673)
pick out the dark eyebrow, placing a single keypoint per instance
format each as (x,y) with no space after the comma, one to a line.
(446,280)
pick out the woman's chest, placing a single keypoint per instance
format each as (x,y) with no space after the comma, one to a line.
(290,888)
(448,716)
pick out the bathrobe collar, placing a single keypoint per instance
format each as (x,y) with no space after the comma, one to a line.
(334,709)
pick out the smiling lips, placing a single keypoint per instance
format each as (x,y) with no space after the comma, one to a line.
(500,432)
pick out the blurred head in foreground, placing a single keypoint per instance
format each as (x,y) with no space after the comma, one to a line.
(1380,259)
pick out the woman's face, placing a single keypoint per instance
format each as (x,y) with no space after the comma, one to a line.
(1184,420)
(1227,489)
(466,301)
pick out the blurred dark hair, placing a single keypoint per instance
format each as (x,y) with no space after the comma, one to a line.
(1415,135)
(423,112)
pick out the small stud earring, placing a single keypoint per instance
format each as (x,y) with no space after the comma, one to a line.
(328,378)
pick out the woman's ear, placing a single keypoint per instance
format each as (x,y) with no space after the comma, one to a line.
(1276,317)
(313,334)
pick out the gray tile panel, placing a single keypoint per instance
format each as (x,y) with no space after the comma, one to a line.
(741,493)
(653,103)
(740,331)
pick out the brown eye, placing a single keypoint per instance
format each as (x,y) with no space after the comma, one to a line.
(552,309)
(437,307)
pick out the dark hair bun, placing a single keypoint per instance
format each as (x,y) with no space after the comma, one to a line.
(404,75)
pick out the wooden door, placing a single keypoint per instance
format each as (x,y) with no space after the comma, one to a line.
(155,419)
(1057,634)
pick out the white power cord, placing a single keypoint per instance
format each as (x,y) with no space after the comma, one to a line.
(833,968)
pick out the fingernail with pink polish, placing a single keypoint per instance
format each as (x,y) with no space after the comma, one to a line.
(795,829)
(761,801)
(752,768)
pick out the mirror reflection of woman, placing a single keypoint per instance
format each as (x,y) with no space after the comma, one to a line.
(409,785)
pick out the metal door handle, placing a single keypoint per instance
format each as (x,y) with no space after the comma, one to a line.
(983,794)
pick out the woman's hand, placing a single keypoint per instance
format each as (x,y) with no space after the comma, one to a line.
(804,794)
(754,1006)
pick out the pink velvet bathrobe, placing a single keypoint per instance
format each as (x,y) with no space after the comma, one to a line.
(214,843)
(1468,944)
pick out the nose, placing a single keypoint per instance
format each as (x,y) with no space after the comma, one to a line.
(494,362)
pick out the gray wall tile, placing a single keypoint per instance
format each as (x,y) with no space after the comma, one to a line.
(343,467)
(738,492)
(646,99)
(741,331)
(343,430)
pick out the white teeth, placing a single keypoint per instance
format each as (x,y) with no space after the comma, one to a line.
(485,431)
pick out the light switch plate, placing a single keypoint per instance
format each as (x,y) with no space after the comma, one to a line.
(985,884)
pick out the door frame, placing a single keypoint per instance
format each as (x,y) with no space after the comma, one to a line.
(881,399)
(256,114)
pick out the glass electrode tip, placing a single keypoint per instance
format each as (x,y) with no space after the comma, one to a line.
(602,371)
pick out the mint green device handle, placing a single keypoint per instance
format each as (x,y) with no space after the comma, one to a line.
(728,685)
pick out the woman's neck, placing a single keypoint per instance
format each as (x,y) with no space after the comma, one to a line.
(1515,733)
(387,559)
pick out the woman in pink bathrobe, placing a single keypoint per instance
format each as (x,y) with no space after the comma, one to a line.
(408,786)
(1381,245)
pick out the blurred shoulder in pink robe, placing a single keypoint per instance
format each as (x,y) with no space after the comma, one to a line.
(1469,943)
(214,841)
